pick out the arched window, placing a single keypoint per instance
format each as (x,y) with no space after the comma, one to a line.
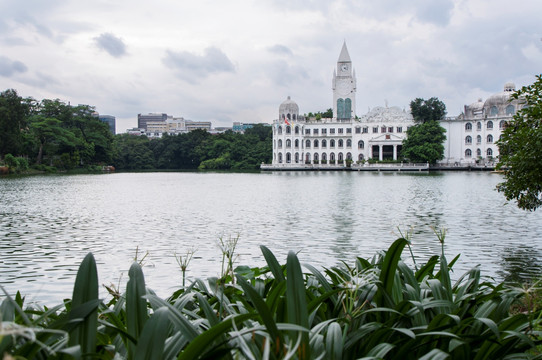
(348,143)
(478,152)
(331,143)
(349,156)
(490,138)
(347,108)
(493,111)
(324,157)
(296,158)
(280,158)
(340,156)
(288,116)
(479,139)
(501,124)
(288,143)
(490,124)
(478,126)
(296,130)
(360,157)
(307,158)
(468,153)
(324,143)
(340,143)
(468,126)
(468,140)
(280,144)
(340,108)
(489,152)
(288,158)
(296,143)
(316,157)
(307,144)
(280,130)
(361,144)
(288,129)
(315,143)
(332,157)
(510,110)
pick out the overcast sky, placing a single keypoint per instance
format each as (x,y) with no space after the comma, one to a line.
(237,60)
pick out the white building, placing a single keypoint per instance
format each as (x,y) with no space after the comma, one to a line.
(379,134)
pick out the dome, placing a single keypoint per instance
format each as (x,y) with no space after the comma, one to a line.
(501,98)
(479,105)
(509,87)
(288,109)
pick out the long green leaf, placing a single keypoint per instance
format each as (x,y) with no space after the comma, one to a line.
(136,304)
(296,301)
(273,264)
(85,294)
(334,342)
(152,339)
(389,266)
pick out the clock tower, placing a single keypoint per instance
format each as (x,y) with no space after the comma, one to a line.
(344,87)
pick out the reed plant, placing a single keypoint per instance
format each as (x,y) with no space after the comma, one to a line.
(375,308)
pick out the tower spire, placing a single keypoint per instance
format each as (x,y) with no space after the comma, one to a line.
(344,56)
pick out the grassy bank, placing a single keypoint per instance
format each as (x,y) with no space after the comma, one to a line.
(377,308)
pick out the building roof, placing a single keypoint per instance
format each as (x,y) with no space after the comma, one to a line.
(344,56)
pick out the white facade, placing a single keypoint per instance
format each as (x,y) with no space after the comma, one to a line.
(471,137)
(377,135)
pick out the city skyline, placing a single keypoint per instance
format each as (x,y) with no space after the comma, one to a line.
(237,61)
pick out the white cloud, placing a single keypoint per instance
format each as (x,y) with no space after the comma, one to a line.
(111,44)
(9,67)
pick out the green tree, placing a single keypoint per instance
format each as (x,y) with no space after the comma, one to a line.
(520,150)
(427,110)
(13,114)
(50,136)
(424,142)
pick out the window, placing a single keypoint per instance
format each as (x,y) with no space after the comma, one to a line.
(280,158)
(340,130)
(331,143)
(493,111)
(288,129)
(489,124)
(324,131)
(280,130)
(324,143)
(280,144)
(307,144)
(340,143)
(365,130)
(478,139)
(478,126)
(308,158)
(399,129)
(383,129)
(315,157)
(288,143)
(315,131)
(468,153)
(332,131)
(324,157)
(390,129)
(490,138)
(296,158)
(307,131)
(489,152)
(361,144)
(468,126)
(501,124)
(348,143)
(510,110)
(478,152)
(358,130)
(332,157)
(297,131)
(316,143)
(296,143)
(288,158)
(349,130)
(375,129)
(468,140)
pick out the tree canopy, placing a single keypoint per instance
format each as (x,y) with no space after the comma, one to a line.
(520,150)
(424,141)
(427,110)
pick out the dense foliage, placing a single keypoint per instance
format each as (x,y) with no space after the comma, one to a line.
(52,135)
(196,150)
(424,142)
(379,308)
(520,149)
(321,114)
(427,110)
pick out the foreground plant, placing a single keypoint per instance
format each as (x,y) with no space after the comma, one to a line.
(377,308)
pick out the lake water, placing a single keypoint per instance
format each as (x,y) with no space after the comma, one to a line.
(49,223)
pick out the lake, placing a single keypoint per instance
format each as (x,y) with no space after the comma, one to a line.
(49,223)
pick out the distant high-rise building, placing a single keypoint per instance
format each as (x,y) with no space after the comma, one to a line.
(142,119)
(110,120)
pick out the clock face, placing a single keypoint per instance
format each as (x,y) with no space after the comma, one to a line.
(344,67)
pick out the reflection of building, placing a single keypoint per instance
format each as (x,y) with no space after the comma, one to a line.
(471,136)
(378,135)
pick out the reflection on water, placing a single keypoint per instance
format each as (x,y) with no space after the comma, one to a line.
(49,223)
